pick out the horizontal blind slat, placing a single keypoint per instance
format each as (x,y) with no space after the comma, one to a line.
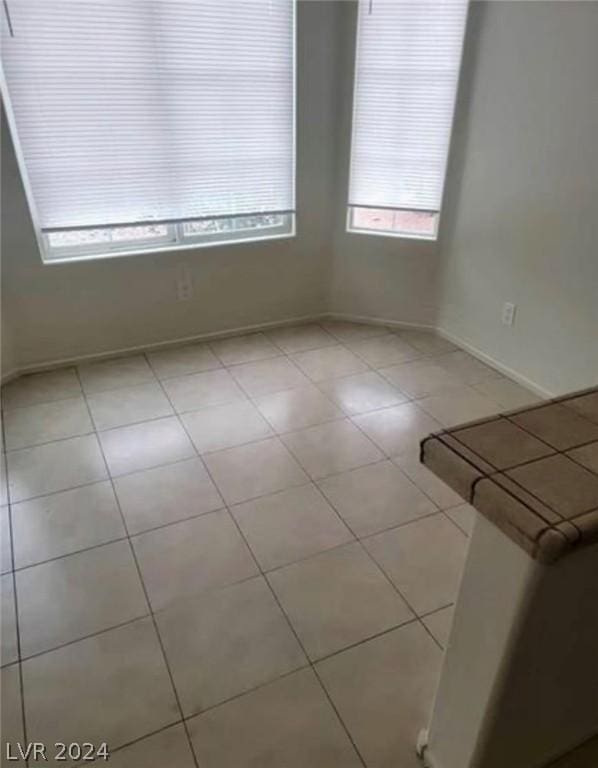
(139,110)
(407,67)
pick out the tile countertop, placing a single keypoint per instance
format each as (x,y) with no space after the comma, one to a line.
(533,472)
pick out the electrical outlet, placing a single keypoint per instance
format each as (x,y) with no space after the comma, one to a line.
(184,283)
(508,313)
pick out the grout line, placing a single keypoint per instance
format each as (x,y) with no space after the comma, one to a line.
(258,566)
(13,578)
(382,570)
(298,640)
(454,522)
(89,636)
(145,592)
(227,507)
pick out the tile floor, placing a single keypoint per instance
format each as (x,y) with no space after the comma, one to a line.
(228,554)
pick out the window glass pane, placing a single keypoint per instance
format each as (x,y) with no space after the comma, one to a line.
(238,224)
(386,220)
(112,241)
(407,62)
(129,111)
(93,237)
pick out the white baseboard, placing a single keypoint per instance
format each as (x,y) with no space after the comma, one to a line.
(212,335)
(504,369)
(122,351)
(456,340)
(368,320)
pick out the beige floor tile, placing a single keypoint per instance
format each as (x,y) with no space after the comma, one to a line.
(329,363)
(375,497)
(424,559)
(507,393)
(6,553)
(225,426)
(57,525)
(337,598)
(3,481)
(166,749)
(420,378)
(460,405)
(297,408)
(345,330)
(362,392)
(178,361)
(399,429)
(44,387)
(464,516)
(290,525)
(184,559)
(202,390)
(168,494)
(244,349)
(300,338)
(466,367)
(111,374)
(384,711)
(113,687)
(439,624)
(142,446)
(330,448)
(226,643)
(78,595)
(127,405)
(286,723)
(385,350)
(54,467)
(440,493)
(8,621)
(427,342)
(46,422)
(253,470)
(11,718)
(585,405)
(265,376)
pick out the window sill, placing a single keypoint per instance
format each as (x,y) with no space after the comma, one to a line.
(395,235)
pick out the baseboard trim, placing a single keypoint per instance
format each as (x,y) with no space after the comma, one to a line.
(504,369)
(368,320)
(256,327)
(155,347)
(457,340)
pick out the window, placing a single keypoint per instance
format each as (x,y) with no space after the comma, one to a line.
(408,56)
(152,125)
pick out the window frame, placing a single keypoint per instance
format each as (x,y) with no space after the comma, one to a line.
(174,240)
(177,241)
(349,227)
(356,230)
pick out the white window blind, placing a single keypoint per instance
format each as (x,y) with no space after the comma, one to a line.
(143,111)
(408,57)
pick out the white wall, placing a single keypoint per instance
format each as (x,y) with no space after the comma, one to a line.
(91,307)
(521,220)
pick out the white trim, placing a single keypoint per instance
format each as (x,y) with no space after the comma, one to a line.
(156,346)
(489,360)
(457,340)
(369,320)
(349,317)
(170,247)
